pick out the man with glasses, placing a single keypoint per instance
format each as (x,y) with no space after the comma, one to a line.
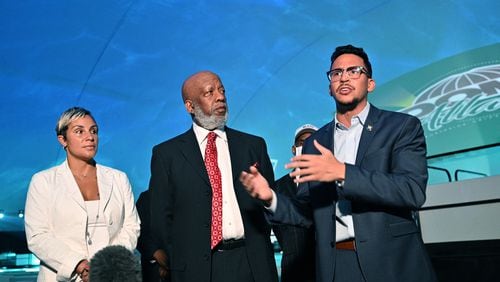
(363,175)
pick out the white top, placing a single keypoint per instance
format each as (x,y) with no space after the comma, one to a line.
(97,232)
(232,223)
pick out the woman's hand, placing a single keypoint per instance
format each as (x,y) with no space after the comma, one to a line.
(82,269)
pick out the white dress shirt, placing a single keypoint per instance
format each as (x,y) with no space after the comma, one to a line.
(232,223)
(346,143)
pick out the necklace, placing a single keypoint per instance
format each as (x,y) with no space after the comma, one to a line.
(83,177)
(90,235)
(85,172)
(80,177)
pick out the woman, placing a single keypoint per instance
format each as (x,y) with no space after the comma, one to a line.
(78,207)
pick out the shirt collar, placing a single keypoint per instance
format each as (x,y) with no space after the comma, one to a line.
(201,133)
(361,118)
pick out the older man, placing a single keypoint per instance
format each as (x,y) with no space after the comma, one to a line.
(211,229)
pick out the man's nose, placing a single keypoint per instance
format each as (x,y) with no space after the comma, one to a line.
(220,95)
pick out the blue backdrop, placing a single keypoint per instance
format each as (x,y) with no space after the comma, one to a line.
(126,61)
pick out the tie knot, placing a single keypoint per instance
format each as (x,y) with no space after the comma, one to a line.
(211,136)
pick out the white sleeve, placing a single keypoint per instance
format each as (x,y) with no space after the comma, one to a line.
(129,231)
(274,203)
(39,233)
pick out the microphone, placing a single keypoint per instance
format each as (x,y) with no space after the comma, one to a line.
(114,264)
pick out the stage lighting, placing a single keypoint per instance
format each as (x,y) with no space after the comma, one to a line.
(20,214)
(2,214)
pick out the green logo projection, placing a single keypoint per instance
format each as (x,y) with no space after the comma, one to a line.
(457,99)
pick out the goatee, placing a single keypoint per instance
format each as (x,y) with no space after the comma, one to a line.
(343,108)
(209,122)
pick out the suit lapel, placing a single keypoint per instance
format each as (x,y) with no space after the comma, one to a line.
(192,154)
(325,137)
(105,184)
(369,130)
(240,160)
(235,154)
(68,181)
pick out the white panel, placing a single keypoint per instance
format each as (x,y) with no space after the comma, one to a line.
(475,222)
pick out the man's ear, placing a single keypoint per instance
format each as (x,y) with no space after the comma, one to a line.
(189,106)
(62,141)
(371,85)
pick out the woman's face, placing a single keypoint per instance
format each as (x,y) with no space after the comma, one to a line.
(81,139)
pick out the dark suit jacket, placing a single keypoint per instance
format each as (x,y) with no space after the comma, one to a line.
(297,242)
(385,186)
(181,205)
(145,244)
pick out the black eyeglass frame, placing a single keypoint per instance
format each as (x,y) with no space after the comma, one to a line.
(349,70)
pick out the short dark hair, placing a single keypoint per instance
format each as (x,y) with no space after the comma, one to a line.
(349,49)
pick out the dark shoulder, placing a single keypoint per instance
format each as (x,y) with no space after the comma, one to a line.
(322,130)
(396,117)
(175,141)
(144,196)
(240,135)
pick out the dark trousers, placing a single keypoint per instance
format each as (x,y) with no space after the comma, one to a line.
(347,267)
(229,265)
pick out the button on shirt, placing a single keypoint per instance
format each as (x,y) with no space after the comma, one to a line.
(232,223)
(346,143)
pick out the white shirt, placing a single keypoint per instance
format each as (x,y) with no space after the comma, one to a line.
(346,143)
(232,223)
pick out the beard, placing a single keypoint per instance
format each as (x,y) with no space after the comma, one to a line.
(209,122)
(346,107)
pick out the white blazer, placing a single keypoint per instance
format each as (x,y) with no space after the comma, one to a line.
(56,218)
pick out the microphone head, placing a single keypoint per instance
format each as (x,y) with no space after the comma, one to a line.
(114,264)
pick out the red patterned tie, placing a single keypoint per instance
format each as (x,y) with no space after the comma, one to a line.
(216,183)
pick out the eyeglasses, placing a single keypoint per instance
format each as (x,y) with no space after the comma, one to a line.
(351,72)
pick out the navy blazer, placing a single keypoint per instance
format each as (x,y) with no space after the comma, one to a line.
(181,205)
(385,186)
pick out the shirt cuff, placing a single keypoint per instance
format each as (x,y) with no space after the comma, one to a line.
(274,203)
